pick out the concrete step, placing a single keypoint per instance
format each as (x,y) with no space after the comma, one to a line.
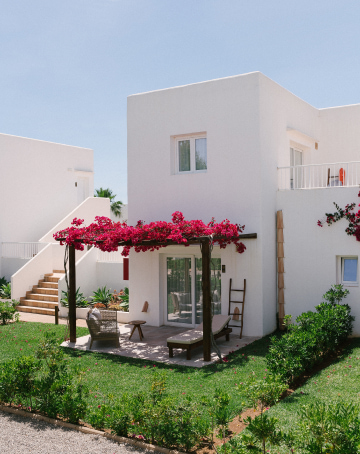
(37,303)
(52,278)
(36,310)
(44,284)
(41,297)
(45,290)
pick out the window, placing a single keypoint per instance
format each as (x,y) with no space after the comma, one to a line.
(191,154)
(296,174)
(349,271)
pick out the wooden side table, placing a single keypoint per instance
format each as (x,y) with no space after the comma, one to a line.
(137,324)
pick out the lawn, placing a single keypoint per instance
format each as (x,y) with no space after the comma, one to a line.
(339,382)
(107,374)
(115,374)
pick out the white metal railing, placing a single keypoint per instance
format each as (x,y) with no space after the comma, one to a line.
(314,176)
(21,250)
(114,256)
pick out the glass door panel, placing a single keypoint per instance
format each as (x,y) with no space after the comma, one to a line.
(215,266)
(179,297)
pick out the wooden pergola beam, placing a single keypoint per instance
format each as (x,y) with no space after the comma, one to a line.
(206,284)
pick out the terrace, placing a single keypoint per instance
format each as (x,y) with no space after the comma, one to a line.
(153,346)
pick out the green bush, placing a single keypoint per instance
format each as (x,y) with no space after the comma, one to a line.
(102,296)
(329,428)
(8,311)
(17,380)
(3,281)
(335,294)
(81,301)
(305,344)
(5,291)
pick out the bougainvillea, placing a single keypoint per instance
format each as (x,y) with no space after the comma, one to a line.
(349,214)
(108,235)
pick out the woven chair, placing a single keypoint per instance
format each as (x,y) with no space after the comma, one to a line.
(105,329)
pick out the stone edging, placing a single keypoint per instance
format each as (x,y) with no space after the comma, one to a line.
(87,430)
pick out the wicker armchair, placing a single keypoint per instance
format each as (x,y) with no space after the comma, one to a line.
(105,329)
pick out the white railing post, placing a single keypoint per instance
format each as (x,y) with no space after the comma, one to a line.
(317,175)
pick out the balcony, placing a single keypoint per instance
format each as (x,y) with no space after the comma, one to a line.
(317,176)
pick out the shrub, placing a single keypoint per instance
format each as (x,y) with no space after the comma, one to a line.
(121,299)
(3,281)
(5,291)
(329,428)
(335,294)
(308,342)
(81,301)
(103,296)
(264,392)
(8,311)
(17,378)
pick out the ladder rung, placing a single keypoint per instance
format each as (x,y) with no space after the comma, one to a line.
(236,290)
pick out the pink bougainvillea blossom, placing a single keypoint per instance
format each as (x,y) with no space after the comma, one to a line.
(108,235)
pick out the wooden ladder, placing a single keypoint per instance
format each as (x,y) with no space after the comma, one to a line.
(240,314)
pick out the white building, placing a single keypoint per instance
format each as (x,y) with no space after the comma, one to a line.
(41,183)
(44,186)
(224,149)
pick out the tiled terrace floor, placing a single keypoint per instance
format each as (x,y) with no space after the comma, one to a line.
(153,347)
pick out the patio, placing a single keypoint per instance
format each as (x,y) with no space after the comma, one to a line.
(154,348)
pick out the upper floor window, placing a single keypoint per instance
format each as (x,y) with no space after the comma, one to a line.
(191,154)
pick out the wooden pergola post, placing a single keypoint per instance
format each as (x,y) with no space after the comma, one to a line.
(72,294)
(205,250)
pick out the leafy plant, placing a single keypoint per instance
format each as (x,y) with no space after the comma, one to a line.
(121,300)
(102,295)
(81,301)
(8,311)
(3,281)
(261,432)
(264,392)
(5,291)
(305,344)
(331,428)
(335,294)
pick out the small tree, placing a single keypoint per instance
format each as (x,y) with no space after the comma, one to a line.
(107,193)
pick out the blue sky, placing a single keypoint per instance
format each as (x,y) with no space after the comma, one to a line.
(67,66)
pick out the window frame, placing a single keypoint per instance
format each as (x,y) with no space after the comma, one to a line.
(191,138)
(341,271)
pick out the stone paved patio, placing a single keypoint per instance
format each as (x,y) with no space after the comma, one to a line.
(153,347)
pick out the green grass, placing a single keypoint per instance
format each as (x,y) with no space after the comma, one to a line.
(340,382)
(111,374)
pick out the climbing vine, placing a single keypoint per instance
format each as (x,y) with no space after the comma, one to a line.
(107,235)
(348,213)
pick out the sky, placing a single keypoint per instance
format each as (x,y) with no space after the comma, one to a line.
(68,66)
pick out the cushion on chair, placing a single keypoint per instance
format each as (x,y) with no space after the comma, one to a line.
(97,313)
(218,323)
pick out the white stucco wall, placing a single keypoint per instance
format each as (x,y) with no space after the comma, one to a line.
(250,123)
(312,252)
(38,185)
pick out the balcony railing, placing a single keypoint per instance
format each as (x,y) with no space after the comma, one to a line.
(315,176)
(21,250)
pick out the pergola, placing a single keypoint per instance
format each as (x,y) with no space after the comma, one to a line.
(204,241)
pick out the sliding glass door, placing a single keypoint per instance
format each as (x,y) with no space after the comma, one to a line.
(184,300)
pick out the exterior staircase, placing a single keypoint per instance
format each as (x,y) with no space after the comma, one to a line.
(43,298)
